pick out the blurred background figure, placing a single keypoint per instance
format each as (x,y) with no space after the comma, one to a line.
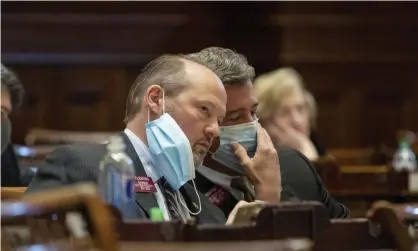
(288,111)
(11,98)
(12,93)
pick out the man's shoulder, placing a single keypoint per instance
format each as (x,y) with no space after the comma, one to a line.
(292,159)
(286,152)
(84,153)
(66,165)
(79,149)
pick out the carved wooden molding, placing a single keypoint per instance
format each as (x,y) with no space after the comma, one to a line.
(318,58)
(76,58)
(341,20)
(99,19)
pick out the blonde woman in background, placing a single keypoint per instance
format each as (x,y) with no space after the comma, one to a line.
(287,111)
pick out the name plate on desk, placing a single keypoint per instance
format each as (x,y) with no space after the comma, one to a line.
(413,181)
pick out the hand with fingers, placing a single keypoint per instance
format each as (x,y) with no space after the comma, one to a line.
(284,135)
(263,170)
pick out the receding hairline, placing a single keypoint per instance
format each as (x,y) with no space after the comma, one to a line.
(192,68)
(187,62)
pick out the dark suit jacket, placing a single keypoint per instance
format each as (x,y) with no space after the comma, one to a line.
(72,164)
(300,182)
(10,172)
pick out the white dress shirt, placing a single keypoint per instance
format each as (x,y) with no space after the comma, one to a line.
(149,167)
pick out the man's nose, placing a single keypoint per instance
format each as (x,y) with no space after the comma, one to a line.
(250,118)
(212,130)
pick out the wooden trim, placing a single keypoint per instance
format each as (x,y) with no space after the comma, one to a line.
(318,58)
(340,20)
(76,58)
(96,19)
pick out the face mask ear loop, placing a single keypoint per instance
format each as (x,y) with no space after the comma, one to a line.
(198,198)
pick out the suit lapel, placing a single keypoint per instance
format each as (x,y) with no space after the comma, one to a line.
(209,213)
(145,200)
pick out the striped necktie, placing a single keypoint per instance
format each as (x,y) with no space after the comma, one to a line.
(242,184)
(170,199)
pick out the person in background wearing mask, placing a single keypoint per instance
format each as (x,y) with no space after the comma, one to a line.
(165,119)
(288,111)
(11,98)
(242,142)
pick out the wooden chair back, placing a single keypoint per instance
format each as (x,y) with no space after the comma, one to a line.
(10,193)
(73,215)
(360,177)
(397,220)
(380,155)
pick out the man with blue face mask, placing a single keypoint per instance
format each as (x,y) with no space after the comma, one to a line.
(169,130)
(240,165)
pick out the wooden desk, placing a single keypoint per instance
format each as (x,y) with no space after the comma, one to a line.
(218,246)
(15,189)
(284,245)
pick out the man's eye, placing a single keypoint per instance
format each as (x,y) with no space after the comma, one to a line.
(204,109)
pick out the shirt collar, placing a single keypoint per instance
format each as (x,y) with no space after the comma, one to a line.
(144,155)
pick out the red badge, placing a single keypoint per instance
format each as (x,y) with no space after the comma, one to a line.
(216,195)
(144,185)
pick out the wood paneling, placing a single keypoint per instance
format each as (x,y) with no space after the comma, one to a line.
(78,59)
(360,61)
(105,33)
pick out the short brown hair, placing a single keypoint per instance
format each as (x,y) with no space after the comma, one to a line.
(230,67)
(166,71)
(11,83)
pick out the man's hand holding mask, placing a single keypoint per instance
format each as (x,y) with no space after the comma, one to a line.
(263,169)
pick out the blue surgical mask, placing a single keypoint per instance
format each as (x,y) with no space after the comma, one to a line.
(244,134)
(172,153)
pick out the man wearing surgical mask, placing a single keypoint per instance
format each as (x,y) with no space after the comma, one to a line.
(169,130)
(11,98)
(242,164)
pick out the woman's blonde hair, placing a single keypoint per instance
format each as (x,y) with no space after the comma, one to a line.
(272,87)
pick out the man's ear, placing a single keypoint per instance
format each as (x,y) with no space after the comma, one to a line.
(154,99)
